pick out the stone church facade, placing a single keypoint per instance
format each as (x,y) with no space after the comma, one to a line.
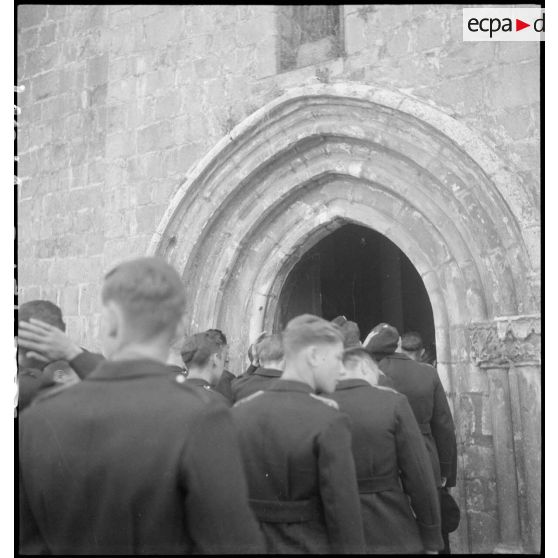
(233,139)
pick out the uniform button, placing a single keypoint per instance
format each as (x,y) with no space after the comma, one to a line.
(180,379)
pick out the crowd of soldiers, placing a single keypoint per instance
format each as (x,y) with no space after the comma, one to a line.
(325,444)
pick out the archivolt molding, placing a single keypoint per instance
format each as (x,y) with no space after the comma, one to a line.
(411,172)
(469,143)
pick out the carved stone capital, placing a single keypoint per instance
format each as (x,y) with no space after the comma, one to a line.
(506,341)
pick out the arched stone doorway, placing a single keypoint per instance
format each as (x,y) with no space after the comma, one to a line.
(359,273)
(319,157)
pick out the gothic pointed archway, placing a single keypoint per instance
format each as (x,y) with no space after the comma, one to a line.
(357,272)
(319,157)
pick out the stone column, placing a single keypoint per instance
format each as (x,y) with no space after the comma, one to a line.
(525,392)
(504,455)
(509,351)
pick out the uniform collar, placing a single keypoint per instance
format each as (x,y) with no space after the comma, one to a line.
(351,383)
(176,369)
(268,372)
(35,372)
(129,369)
(200,382)
(401,356)
(290,385)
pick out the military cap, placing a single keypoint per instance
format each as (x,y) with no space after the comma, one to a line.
(450,512)
(382,339)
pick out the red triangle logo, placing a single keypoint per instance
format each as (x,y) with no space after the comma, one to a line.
(519,25)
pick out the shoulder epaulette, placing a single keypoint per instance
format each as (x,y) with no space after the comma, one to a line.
(52,392)
(326,400)
(180,380)
(248,398)
(385,388)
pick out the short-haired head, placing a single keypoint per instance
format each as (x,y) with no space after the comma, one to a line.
(270,349)
(218,335)
(412,341)
(313,350)
(351,334)
(412,345)
(43,310)
(358,363)
(306,330)
(198,348)
(349,330)
(150,295)
(339,321)
(354,355)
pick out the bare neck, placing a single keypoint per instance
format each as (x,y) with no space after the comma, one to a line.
(136,350)
(197,373)
(298,374)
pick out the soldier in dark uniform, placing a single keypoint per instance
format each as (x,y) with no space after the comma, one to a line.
(400,508)
(36,374)
(204,358)
(296,447)
(413,346)
(271,362)
(422,386)
(131,460)
(223,384)
(45,343)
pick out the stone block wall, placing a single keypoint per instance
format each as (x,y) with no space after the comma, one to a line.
(121,101)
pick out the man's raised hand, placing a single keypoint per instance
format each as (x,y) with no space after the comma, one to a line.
(45,342)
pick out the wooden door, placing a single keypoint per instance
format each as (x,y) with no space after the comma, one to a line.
(301,293)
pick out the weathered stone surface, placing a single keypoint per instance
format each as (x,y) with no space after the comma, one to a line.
(478,461)
(485,528)
(97,70)
(29,15)
(507,341)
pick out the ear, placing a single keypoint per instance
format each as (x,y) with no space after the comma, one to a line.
(312,355)
(362,369)
(113,319)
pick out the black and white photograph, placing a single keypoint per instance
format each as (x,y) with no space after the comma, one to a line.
(277,279)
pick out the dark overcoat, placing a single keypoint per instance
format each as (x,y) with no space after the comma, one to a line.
(84,363)
(260,379)
(301,475)
(422,386)
(132,461)
(223,386)
(393,470)
(208,389)
(31,382)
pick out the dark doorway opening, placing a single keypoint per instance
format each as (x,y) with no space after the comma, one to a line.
(359,273)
